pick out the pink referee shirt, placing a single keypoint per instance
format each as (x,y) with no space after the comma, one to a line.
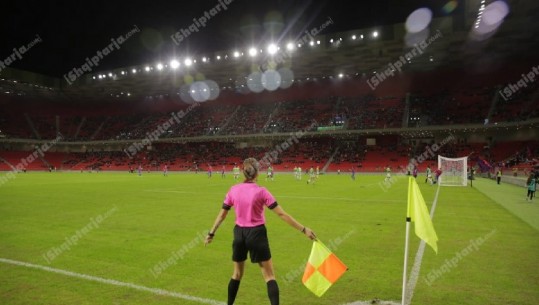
(248,200)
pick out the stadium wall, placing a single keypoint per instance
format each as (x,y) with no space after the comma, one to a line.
(489,136)
(518,181)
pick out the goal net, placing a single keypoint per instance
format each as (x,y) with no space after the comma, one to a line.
(453,171)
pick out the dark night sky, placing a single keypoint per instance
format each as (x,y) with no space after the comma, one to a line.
(74,30)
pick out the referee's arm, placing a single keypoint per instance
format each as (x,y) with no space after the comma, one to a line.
(292,222)
(218,221)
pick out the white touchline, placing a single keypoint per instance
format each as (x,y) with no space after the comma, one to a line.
(290,196)
(381,302)
(114,282)
(414,274)
(340,198)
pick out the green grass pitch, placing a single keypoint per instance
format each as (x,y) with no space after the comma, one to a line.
(128,225)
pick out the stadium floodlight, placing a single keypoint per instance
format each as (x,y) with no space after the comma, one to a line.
(174,64)
(134,71)
(375,34)
(354,37)
(341,75)
(454,171)
(204,59)
(253,52)
(100,76)
(290,46)
(272,48)
(159,66)
(123,72)
(311,43)
(93,77)
(236,54)
(318,42)
(188,62)
(110,74)
(147,69)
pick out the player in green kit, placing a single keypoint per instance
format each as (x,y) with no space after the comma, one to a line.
(429,175)
(312,176)
(388,173)
(270,173)
(236,172)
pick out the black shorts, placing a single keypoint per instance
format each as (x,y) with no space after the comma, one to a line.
(253,240)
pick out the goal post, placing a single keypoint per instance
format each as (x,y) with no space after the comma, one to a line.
(454,171)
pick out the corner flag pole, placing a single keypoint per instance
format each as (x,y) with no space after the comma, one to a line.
(408,219)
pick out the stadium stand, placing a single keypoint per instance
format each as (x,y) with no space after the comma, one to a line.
(130,122)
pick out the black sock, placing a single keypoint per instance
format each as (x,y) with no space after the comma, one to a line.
(233,287)
(273,292)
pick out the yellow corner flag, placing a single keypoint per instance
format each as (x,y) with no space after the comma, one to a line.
(323,269)
(418,213)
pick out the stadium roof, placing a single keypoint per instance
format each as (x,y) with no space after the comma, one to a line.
(71,33)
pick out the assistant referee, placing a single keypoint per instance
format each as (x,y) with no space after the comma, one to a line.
(250,235)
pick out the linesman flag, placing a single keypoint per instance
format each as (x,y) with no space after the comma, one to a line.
(323,269)
(418,213)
